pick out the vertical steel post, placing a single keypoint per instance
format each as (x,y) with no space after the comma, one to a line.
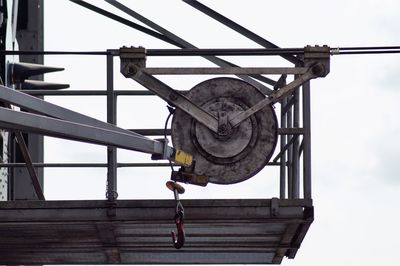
(307,141)
(282,172)
(29,35)
(112,119)
(296,147)
(289,119)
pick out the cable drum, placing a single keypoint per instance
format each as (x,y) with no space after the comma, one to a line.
(240,153)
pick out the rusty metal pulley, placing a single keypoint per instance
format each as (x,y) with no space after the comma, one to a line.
(235,153)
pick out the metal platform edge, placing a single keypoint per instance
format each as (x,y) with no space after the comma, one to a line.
(219,231)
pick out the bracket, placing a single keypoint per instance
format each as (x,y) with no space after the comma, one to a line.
(133,65)
(133,61)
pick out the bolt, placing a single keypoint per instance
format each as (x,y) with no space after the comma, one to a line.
(132,70)
(317,70)
(222,130)
(172,97)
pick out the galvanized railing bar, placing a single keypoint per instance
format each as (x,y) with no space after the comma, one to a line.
(94,165)
(90,92)
(85,165)
(152,131)
(83,92)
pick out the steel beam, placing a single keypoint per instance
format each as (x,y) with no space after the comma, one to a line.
(29,165)
(226,71)
(36,105)
(184,44)
(15,120)
(174,98)
(275,97)
(238,28)
(124,21)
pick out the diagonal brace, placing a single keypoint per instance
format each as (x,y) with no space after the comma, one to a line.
(133,66)
(314,71)
(29,165)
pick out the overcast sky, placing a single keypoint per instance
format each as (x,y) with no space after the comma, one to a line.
(355,127)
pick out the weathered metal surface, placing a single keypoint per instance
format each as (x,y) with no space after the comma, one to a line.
(132,66)
(225,70)
(278,95)
(239,153)
(4,170)
(184,44)
(27,122)
(39,106)
(238,28)
(217,232)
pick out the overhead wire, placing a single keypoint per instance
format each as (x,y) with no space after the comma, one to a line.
(220,52)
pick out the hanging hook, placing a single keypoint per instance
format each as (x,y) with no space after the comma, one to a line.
(178,239)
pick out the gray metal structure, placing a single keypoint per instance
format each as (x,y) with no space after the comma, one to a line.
(244,231)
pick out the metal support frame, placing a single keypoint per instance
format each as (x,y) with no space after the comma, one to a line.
(238,28)
(185,44)
(293,213)
(29,166)
(111,193)
(27,20)
(133,65)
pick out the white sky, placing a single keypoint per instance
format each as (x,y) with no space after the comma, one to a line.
(355,127)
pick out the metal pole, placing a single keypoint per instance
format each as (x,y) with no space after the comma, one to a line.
(282,173)
(296,147)
(112,119)
(306,141)
(289,119)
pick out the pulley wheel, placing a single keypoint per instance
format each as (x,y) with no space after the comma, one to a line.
(238,153)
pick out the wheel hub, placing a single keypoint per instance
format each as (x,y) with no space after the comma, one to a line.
(234,154)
